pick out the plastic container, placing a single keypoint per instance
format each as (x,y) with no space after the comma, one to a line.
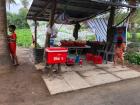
(81,62)
(77,59)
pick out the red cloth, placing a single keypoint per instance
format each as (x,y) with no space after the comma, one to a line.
(12,45)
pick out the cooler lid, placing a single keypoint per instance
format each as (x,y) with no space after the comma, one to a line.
(56,49)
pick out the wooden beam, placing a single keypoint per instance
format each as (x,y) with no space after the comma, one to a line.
(110,34)
(43,9)
(35,33)
(84,4)
(77,8)
(115,4)
(38,18)
(52,13)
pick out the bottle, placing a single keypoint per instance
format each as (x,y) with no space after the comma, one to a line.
(81,62)
(77,59)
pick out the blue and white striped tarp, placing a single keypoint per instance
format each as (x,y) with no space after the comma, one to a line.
(99,25)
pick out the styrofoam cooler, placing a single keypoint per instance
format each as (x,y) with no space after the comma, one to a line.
(56,55)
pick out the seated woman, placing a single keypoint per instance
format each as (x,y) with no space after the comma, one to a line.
(119,51)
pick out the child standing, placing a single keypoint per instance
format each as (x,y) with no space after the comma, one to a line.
(119,51)
(12,44)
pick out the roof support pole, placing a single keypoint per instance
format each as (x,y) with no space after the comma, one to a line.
(51,22)
(110,34)
(35,31)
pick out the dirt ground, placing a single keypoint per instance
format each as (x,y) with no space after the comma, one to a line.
(23,85)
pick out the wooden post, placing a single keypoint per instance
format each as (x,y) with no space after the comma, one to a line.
(51,22)
(110,34)
(35,31)
(5,61)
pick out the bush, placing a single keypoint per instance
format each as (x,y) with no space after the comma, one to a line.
(133,57)
(133,47)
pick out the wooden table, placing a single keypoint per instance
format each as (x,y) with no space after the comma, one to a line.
(79,48)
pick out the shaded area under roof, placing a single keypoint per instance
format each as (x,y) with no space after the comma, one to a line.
(75,10)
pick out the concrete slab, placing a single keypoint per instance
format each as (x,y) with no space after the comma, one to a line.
(56,85)
(74,77)
(77,67)
(118,69)
(108,65)
(75,80)
(96,78)
(127,74)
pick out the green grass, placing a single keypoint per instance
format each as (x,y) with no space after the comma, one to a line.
(24,37)
(129,37)
(138,36)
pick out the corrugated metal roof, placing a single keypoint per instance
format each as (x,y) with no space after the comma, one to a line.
(75,10)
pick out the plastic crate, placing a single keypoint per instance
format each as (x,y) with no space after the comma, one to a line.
(97,59)
(89,57)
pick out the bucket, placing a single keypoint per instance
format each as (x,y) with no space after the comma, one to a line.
(38,55)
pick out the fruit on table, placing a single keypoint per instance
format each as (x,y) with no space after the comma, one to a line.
(73,43)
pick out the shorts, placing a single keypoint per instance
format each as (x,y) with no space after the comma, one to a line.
(12,48)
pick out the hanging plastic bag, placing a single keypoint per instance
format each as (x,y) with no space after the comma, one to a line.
(62,18)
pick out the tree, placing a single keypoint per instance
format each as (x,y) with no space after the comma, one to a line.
(18,19)
(4,53)
(25,3)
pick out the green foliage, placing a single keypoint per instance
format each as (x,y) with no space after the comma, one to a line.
(132,54)
(90,37)
(120,16)
(129,36)
(138,36)
(136,16)
(18,19)
(133,57)
(24,37)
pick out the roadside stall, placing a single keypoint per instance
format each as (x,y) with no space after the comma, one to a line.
(73,12)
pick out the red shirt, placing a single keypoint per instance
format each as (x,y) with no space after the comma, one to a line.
(13,36)
(12,44)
